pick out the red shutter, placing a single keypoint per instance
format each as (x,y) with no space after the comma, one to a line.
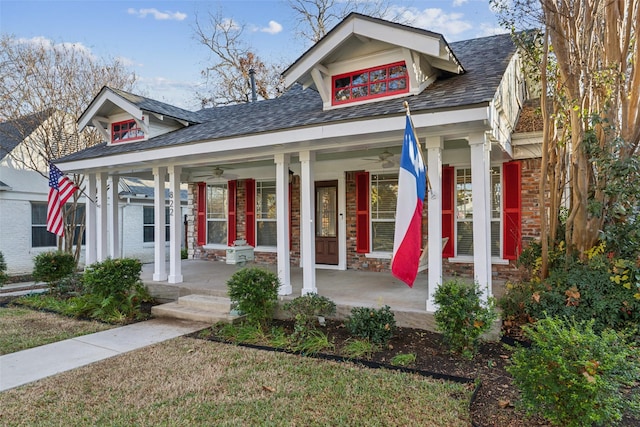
(250,211)
(201,217)
(512,210)
(362,212)
(231,219)
(448,209)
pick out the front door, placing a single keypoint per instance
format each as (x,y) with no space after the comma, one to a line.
(327,222)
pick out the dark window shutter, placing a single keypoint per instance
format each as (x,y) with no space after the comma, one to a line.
(448,210)
(362,212)
(201,218)
(512,210)
(250,211)
(231,226)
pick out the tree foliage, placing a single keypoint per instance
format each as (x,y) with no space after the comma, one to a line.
(587,58)
(40,78)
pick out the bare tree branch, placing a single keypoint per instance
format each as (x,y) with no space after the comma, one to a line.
(227,79)
(52,84)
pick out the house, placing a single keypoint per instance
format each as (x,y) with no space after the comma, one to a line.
(310,179)
(24,189)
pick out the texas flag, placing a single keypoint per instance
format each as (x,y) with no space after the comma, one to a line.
(407,241)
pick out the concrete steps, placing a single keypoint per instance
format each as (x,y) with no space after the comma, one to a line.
(199,308)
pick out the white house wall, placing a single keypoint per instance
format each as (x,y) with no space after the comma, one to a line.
(15,223)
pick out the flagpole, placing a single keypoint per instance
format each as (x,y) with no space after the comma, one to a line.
(79,188)
(413,129)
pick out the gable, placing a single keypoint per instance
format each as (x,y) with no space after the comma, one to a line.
(14,132)
(363,43)
(116,113)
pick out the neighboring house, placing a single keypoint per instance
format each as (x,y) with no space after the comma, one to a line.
(310,178)
(23,200)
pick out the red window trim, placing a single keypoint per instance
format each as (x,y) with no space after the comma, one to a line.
(334,90)
(134,128)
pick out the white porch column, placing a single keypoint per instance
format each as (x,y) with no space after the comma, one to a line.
(307,226)
(481,195)
(282,214)
(101,223)
(433,199)
(175,235)
(90,247)
(114,228)
(159,241)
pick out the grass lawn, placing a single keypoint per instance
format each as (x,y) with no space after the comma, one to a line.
(187,381)
(24,328)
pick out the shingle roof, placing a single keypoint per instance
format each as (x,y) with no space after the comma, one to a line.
(484,59)
(13,132)
(137,187)
(151,105)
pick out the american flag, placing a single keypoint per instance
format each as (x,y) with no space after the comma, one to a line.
(61,188)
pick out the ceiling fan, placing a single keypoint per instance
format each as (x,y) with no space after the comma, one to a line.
(215,173)
(386,159)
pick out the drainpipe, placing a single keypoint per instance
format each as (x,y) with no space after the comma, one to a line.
(252,77)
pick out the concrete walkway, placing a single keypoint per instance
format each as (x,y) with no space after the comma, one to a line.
(36,363)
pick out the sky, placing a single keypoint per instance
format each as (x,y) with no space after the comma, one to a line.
(155,38)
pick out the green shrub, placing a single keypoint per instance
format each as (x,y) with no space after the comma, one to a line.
(602,287)
(113,290)
(52,266)
(306,309)
(184,253)
(573,376)
(516,299)
(71,285)
(3,270)
(255,293)
(461,316)
(112,277)
(378,326)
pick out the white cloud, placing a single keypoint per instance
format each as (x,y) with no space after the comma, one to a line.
(178,93)
(160,16)
(273,28)
(434,19)
(457,3)
(48,44)
(491,30)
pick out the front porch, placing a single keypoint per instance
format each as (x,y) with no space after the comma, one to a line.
(347,288)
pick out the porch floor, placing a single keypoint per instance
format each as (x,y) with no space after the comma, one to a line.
(347,288)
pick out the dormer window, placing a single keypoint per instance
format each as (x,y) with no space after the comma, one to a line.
(126,131)
(375,82)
